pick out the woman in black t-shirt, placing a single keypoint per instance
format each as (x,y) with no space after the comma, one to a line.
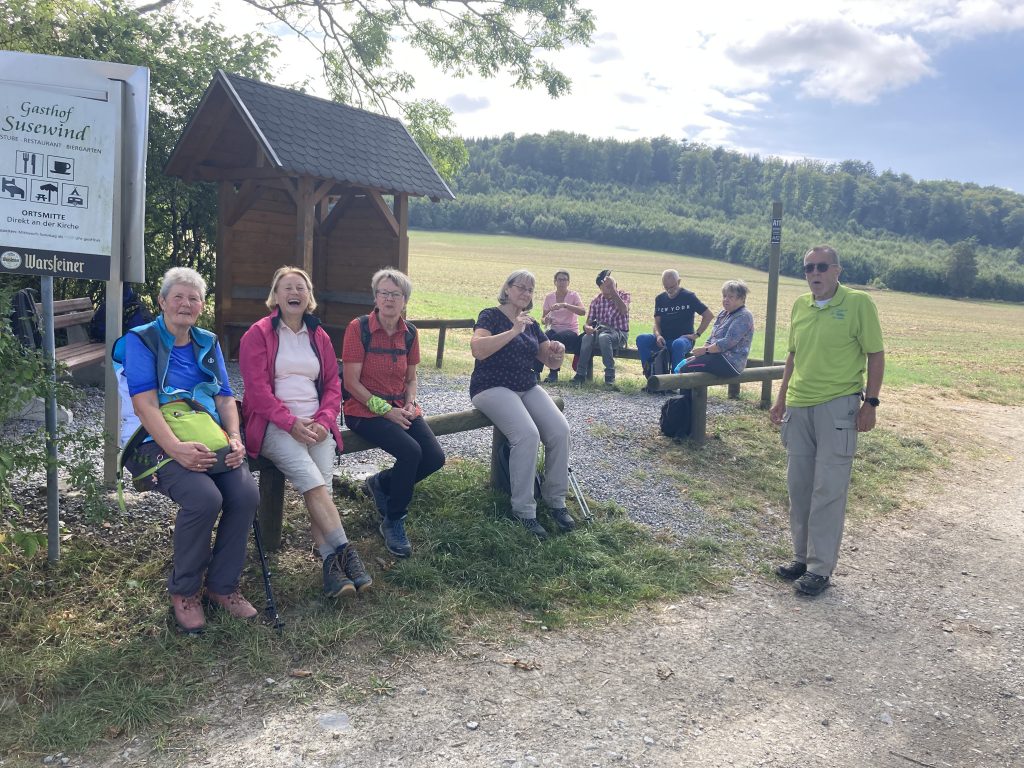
(506,343)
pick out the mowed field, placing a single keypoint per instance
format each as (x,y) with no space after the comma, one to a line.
(969,348)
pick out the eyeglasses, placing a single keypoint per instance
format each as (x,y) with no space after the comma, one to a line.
(821,266)
(390,294)
(522,288)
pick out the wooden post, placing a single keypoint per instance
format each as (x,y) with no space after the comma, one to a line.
(401,211)
(304,224)
(271,505)
(222,269)
(734,391)
(773,300)
(699,415)
(497,438)
(440,345)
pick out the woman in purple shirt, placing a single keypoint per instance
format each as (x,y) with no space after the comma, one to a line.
(506,342)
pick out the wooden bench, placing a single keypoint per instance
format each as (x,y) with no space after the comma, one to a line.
(271,481)
(698,383)
(74,316)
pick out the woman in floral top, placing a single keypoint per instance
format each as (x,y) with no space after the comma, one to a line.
(506,342)
(727,348)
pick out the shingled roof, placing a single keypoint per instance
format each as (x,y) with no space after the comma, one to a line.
(309,136)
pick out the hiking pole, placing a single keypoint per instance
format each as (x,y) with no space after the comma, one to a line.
(271,610)
(580,498)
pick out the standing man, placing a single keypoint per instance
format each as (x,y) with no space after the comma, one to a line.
(607,324)
(834,336)
(674,311)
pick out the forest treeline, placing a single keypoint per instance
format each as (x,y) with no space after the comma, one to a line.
(940,237)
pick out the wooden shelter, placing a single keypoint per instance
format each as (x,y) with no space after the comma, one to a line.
(306,182)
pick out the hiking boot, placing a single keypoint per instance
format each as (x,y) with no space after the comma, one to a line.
(234,604)
(395,539)
(578,381)
(551,378)
(188,613)
(533,526)
(353,566)
(811,584)
(563,519)
(372,488)
(791,571)
(336,581)
(609,378)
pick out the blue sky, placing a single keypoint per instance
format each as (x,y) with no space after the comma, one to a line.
(932,88)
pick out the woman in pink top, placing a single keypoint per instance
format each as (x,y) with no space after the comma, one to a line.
(291,405)
(562,311)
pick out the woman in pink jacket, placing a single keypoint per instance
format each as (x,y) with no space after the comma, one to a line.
(291,405)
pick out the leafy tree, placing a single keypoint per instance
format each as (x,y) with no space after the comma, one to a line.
(962,270)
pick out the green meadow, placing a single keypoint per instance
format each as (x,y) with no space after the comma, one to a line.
(971,349)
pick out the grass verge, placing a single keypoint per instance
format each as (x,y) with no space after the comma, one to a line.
(87,652)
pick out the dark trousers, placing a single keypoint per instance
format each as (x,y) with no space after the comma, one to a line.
(232,495)
(416,451)
(713,363)
(572,346)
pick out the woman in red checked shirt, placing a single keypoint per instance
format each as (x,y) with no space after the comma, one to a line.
(380,379)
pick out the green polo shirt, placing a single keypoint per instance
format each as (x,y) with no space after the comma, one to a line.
(829,346)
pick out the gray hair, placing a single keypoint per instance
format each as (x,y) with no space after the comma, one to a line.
(667,272)
(398,278)
(183,276)
(519,275)
(736,287)
(827,250)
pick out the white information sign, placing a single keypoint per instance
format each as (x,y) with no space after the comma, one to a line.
(57,182)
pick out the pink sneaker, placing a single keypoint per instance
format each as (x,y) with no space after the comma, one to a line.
(234,604)
(188,613)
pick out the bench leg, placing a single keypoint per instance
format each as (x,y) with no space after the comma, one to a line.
(734,391)
(497,438)
(271,506)
(699,415)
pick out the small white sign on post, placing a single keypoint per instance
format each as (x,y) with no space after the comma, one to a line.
(58,160)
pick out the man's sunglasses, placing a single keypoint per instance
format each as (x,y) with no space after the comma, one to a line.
(821,266)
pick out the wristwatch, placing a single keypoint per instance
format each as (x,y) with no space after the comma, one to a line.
(874,402)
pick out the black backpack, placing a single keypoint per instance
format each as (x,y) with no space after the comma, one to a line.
(365,335)
(661,363)
(25,319)
(504,482)
(675,416)
(134,313)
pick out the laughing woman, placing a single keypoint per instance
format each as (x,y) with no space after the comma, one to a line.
(506,342)
(291,405)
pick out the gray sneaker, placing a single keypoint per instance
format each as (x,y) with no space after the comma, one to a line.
(335,581)
(395,539)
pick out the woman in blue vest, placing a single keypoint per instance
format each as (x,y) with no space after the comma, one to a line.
(170,359)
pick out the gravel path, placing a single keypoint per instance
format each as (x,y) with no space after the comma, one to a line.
(613,435)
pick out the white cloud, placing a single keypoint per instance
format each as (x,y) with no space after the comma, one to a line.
(835,59)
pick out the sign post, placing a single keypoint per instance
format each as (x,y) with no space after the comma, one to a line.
(72,192)
(774,260)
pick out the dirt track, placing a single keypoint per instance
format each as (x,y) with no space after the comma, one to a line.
(912,658)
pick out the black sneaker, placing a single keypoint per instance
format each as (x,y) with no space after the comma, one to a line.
(335,581)
(371,486)
(533,526)
(811,584)
(563,519)
(791,571)
(353,567)
(579,381)
(551,378)
(395,539)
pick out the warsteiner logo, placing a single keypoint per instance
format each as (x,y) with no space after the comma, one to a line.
(10,259)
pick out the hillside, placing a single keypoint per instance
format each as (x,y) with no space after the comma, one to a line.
(940,237)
